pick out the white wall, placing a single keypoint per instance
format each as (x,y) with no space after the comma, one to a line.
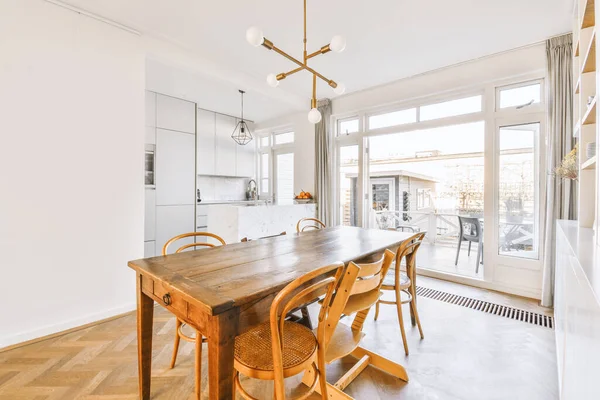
(71,162)
(462,76)
(304,152)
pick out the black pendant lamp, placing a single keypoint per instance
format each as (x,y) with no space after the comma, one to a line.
(241,134)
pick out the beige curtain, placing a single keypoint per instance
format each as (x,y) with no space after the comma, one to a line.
(323,167)
(560,193)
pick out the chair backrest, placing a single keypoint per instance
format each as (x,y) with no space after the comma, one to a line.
(306,224)
(470,227)
(408,249)
(371,275)
(366,289)
(192,245)
(245,239)
(321,281)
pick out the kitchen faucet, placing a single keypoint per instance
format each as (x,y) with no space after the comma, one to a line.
(251,192)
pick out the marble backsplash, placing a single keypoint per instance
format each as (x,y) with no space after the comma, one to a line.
(219,188)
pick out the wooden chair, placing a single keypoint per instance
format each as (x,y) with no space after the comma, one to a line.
(342,340)
(313,224)
(199,339)
(400,282)
(279,349)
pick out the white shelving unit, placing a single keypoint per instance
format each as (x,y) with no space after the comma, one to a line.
(585,110)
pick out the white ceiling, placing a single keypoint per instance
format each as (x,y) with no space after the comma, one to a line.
(387,39)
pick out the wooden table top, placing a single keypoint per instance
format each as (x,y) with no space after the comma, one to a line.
(220,278)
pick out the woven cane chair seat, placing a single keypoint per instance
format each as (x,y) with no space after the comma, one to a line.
(253,348)
(390,280)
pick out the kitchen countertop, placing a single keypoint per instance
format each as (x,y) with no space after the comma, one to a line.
(246,202)
(209,202)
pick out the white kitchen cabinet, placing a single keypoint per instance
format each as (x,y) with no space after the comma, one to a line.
(150,109)
(205,142)
(149,249)
(172,221)
(225,164)
(150,215)
(245,163)
(577,312)
(175,168)
(150,135)
(175,114)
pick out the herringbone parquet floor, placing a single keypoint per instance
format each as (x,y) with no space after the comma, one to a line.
(465,355)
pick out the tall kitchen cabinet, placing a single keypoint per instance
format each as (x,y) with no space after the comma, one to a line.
(150,192)
(175,168)
(217,153)
(226,151)
(206,142)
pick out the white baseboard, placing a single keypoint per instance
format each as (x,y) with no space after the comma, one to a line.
(21,337)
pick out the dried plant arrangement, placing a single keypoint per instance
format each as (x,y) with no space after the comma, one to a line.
(568,168)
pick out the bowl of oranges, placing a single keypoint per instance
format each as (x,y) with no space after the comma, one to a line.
(303,197)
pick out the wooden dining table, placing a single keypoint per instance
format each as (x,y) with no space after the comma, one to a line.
(223,291)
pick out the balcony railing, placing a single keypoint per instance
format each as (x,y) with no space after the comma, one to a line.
(445,225)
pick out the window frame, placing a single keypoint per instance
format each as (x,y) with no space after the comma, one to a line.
(523,108)
(422,194)
(339,122)
(272,149)
(482,95)
(490,114)
(377,114)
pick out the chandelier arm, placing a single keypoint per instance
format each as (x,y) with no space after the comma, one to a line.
(284,75)
(330,82)
(322,50)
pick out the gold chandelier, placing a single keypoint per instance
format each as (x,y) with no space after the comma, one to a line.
(255,37)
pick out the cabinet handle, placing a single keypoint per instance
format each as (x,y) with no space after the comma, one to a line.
(167,299)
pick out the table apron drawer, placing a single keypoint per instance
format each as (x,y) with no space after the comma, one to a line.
(165,296)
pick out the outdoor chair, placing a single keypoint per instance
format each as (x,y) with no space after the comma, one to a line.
(470,230)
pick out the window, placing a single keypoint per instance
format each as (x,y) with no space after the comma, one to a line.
(276,171)
(521,96)
(393,118)
(517,191)
(264,172)
(423,198)
(284,190)
(451,108)
(265,141)
(347,126)
(284,138)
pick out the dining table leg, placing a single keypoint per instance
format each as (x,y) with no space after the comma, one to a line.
(145,313)
(222,330)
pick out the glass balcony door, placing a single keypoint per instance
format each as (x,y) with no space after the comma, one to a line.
(518,188)
(426,181)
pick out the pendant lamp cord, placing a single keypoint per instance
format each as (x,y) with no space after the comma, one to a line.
(242,92)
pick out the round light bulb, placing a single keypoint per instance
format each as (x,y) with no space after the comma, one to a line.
(340,88)
(338,43)
(272,80)
(254,36)
(314,116)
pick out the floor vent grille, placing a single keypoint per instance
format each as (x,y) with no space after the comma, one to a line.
(490,308)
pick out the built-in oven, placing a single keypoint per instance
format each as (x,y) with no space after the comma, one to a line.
(149,166)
